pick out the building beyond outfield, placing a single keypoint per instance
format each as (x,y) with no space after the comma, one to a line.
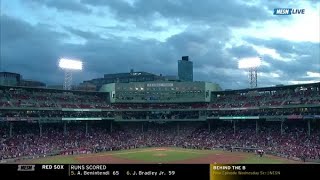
(160,92)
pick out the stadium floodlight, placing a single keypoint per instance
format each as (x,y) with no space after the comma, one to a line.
(69,65)
(251,63)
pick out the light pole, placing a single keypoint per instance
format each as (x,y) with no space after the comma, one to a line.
(69,66)
(251,64)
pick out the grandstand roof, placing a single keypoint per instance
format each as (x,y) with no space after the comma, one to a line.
(120,75)
(272,88)
(49,89)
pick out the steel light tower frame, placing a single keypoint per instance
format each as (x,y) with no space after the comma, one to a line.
(69,66)
(253,77)
(252,65)
(67,80)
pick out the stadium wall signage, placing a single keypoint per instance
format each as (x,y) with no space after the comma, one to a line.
(308,117)
(240,117)
(295,117)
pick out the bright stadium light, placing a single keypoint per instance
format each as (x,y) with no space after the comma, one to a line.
(251,63)
(247,63)
(69,65)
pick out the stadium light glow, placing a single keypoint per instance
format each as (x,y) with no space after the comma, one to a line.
(69,64)
(251,62)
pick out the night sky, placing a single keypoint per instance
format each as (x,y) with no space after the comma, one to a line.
(113,36)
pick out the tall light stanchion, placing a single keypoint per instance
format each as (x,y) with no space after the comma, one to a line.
(67,80)
(252,65)
(253,77)
(69,66)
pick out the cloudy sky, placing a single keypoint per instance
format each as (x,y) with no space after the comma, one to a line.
(113,36)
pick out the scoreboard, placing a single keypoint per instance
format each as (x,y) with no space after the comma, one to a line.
(164,171)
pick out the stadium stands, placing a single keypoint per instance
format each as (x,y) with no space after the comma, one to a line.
(293,143)
(284,122)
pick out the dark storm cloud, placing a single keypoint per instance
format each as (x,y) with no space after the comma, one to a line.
(33,50)
(226,77)
(147,26)
(301,57)
(229,12)
(285,46)
(242,51)
(64,5)
(305,55)
(117,55)
(211,62)
(289,4)
(29,50)
(204,46)
(114,55)
(80,33)
(295,70)
(151,55)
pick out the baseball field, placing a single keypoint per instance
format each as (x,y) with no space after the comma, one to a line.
(162,155)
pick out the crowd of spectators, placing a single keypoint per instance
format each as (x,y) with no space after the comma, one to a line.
(265,112)
(44,99)
(268,98)
(55,114)
(62,99)
(293,142)
(160,115)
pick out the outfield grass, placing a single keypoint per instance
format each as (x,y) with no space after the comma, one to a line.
(161,155)
(254,159)
(55,160)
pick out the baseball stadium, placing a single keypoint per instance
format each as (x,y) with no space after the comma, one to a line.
(156,83)
(161,122)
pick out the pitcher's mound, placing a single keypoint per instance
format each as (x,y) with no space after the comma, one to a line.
(160,155)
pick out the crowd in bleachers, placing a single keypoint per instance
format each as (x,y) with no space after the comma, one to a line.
(265,112)
(161,106)
(55,114)
(293,142)
(62,99)
(43,99)
(276,98)
(160,115)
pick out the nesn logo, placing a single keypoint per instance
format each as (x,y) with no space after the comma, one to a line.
(287,11)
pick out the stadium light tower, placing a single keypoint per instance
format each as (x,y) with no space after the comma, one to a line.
(252,64)
(69,66)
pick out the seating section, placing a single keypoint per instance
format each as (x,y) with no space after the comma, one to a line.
(27,98)
(276,98)
(28,142)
